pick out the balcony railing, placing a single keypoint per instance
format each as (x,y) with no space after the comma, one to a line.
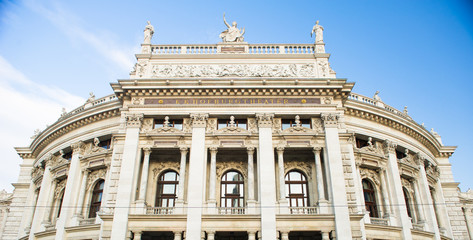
(251,49)
(379,221)
(231,210)
(303,210)
(159,210)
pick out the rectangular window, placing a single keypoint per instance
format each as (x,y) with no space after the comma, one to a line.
(241,123)
(361,143)
(287,123)
(175,123)
(105,144)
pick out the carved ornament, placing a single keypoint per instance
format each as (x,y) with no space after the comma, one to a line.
(134,120)
(317,125)
(199,120)
(95,175)
(330,119)
(235,70)
(389,147)
(370,174)
(60,186)
(164,165)
(297,164)
(211,125)
(78,147)
(231,163)
(265,120)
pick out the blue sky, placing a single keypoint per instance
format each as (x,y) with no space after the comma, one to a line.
(416,53)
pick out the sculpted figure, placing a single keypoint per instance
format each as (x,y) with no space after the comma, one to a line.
(232,34)
(319,32)
(91,97)
(149,31)
(376,97)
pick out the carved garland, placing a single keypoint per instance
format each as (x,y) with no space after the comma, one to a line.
(164,166)
(370,174)
(297,164)
(60,186)
(95,175)
(223,166)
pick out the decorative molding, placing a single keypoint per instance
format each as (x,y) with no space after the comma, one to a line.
(199,120)
(330,120)
(389,147)
(234,70)
(134,120)
(265,120)
(161,166)
(317,125)
(419,159)
(231,163)
(60,186)
(95,175)
(297,164)
(78,147)
(211,125)
(252,125)
(370,174)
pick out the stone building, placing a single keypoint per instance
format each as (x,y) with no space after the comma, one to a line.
(236,141)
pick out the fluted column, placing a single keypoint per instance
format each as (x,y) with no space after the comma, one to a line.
(251,203)
(144,174)
(336,176)
(127,176)
(42,199)
(282,190)
(395,188)
(197,168)
(182,173)
(428,205)
(83,188)
(213,176)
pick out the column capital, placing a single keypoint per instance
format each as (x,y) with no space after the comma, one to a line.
(134,120)
(78,147)
(199,120)
(265,120)
(147,150)
(330,120)
(280,149)
(419,159)
(184,150)
(213,149)
(250,150)
(317,150)
(389,146)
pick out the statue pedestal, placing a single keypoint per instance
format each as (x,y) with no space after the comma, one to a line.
(233,47)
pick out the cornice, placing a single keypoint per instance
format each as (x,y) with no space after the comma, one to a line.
(409,127)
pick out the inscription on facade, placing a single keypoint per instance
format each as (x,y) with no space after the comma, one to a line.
(230,101)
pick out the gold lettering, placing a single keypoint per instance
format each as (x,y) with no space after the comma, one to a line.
(244,101)
(230,101)
(285,101)
(202,101)
(186,101)
(177,101)
(194,101)
(278,101)
(272,100)
(216,101)
(237,101)
(266,101)
(259,101)
(252,101)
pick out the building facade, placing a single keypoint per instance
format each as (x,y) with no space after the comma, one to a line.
(236,141)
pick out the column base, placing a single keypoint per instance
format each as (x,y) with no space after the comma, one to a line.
(212,207)
(140,207)
(323,206)
(283,206)
(251,207)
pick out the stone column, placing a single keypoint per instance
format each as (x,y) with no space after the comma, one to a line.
(182,181)
(322,201)
(49,205)
(137,235)
(210,235)
(443,220)
(30,214)
(83,188)
(284,235)
(251,235)
(42,202)
(212,180)
(251,203)
(467,214)
(395,188)
(419,209)
(384,191)
(336,176)
(144,179)
(325,235)
(282,190)
(430,217)
(197,162)
(70,192)
(267,178)
(178,234)
(127,170)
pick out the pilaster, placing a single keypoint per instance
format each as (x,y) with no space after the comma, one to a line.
(43,199)
(127,175)
(336,176)
(197,162)
(267,178)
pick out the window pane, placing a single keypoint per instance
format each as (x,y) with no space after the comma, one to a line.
(171,202)
(232,188)
(232,176)
(295,176)
(296,189)
(170,176)
(241,190)
(300,202)
(168,188)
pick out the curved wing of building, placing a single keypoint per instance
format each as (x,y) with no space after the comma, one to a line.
(235,141)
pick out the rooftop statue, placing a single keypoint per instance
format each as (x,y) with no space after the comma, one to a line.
(232,34)
(319,32)
(149,31)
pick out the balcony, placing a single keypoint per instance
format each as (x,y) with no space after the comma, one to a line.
(159,210)
(379,221)
(303,210)
(231,210)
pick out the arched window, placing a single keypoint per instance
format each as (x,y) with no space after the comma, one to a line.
(370,198)
(231,190)
(168,188)
(407,199)
(296,189)
(96,199)
(60,204)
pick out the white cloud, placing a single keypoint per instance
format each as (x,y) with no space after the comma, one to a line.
(68,23)
(25,106)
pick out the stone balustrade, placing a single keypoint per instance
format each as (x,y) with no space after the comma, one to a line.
(231,210)
(251,49)
(379,221)
(370,101)
(159,210)
(303,210)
